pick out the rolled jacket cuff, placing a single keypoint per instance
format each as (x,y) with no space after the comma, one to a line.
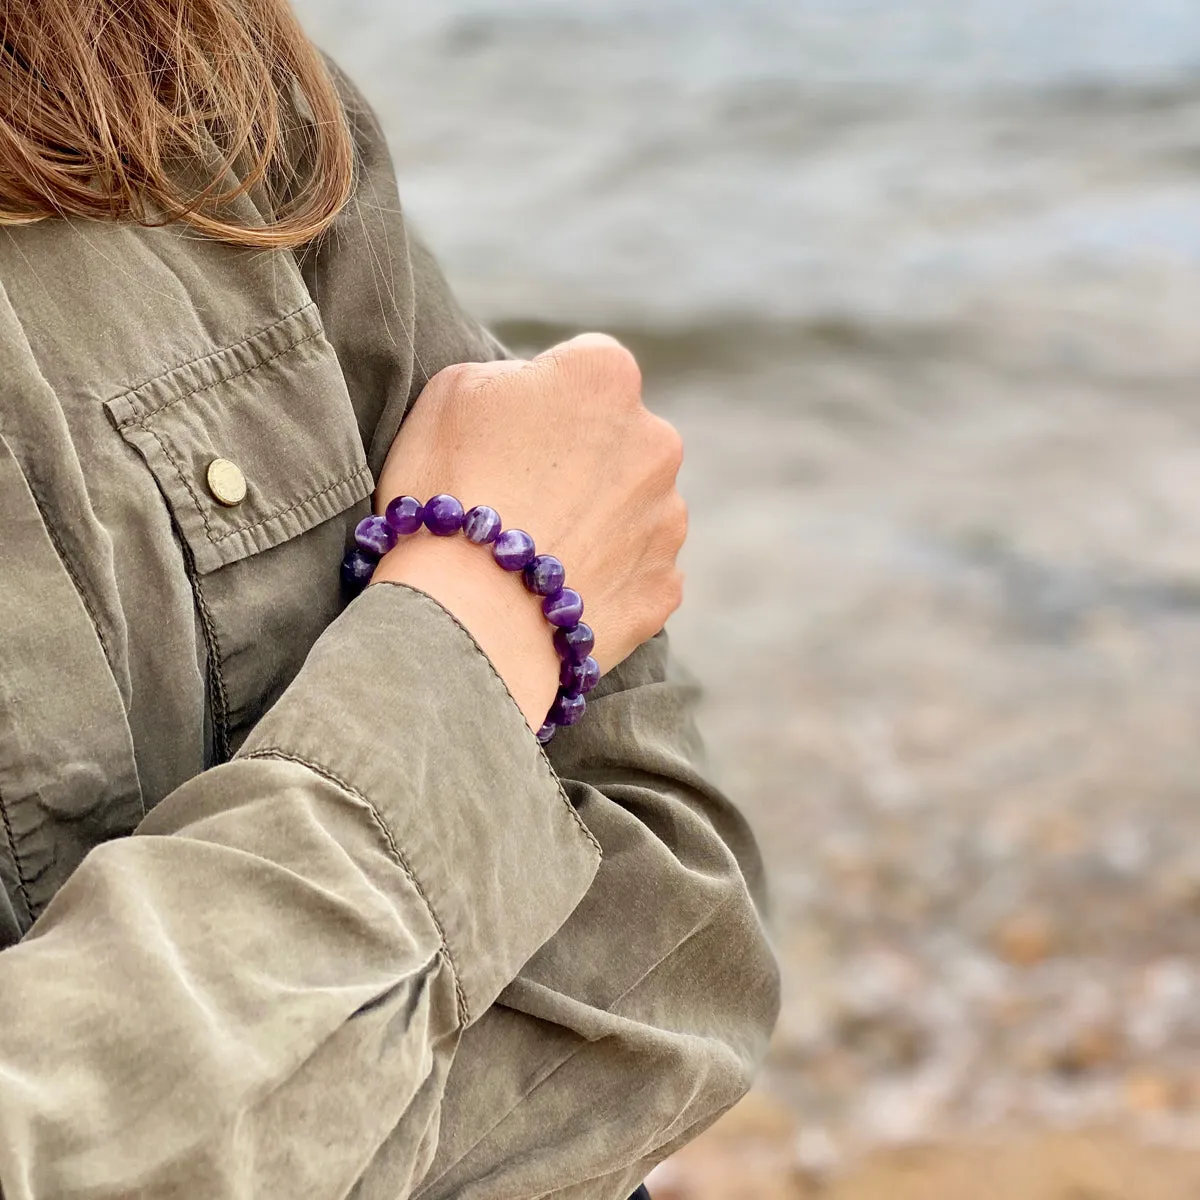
(397,702)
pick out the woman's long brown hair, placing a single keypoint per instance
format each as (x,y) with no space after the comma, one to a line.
(140,110)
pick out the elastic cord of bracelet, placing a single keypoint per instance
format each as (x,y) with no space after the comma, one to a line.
(514,550)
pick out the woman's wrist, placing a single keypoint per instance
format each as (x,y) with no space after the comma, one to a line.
(494,605)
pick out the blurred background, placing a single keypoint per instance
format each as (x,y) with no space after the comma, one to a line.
(919,280)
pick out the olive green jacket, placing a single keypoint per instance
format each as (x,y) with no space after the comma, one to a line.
(293,903)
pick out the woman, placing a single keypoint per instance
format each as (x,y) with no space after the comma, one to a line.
(365,938)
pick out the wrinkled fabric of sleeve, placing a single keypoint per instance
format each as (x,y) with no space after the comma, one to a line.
(250,995)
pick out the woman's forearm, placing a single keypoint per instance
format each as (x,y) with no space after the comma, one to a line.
(494,606)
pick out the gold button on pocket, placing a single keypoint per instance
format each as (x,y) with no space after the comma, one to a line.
(278,401)
(226,482)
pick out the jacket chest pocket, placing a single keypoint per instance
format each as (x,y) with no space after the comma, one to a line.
(256,451)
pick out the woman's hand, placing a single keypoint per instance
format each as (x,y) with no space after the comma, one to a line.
(563,447)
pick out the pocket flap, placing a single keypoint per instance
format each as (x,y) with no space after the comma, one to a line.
(275,405)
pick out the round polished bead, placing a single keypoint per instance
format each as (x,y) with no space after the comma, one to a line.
(564,608)
(514,549)
(481,525)
(574,644)
(567,709)
(374,535)
(545,575)
(546,732)
(357,568)
(405,515)
(443,515)
(580,678)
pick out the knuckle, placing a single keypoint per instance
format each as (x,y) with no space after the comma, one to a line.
(591,342)
(624,368)
(448,378)
(605,360)
(673,446)
(670,599)
(666,442)
(477,378)
(677,591)
(468,378)
(679,521)
(556,358)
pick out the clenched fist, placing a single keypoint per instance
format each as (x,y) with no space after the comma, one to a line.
(563,447)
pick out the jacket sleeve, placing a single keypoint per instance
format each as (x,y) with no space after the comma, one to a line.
(266,982)
(647,1015)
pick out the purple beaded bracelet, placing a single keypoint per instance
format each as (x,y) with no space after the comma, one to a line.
(514,550)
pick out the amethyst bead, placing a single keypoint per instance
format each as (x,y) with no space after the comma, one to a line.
(564,608)
(481,525)
(579,678)
(375,536)
(514,549)
(567,709)
(405,515)
(443,515)
(545,575)
(574,644)
(357,568)
(546,732)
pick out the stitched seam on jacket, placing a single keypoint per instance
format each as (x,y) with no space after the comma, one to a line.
(22,885)
(212,645)
(209,354)
(562,795)
(213,537)
(142,418)
(394,850)
(187,483)
(357,473)
(145,422)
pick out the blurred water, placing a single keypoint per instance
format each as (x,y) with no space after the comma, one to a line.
(804,163)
